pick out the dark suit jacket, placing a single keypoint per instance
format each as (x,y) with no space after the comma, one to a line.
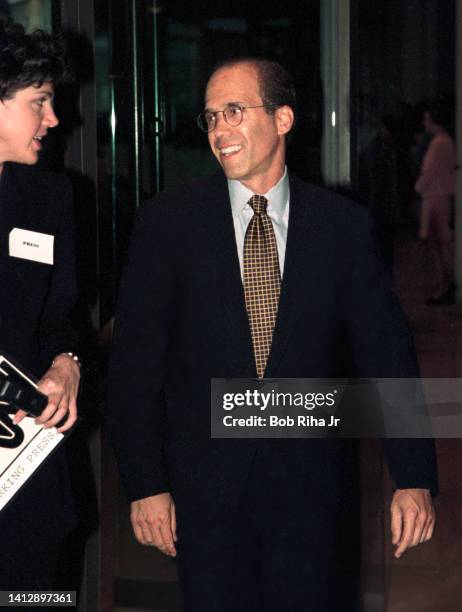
(181,320)
(34,328)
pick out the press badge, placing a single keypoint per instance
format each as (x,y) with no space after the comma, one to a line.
(31,245)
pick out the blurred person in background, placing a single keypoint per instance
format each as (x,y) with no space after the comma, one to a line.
(436,185)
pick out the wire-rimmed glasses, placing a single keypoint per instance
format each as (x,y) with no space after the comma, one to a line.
(232,114)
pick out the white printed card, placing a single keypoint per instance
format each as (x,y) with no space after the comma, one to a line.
(31,245)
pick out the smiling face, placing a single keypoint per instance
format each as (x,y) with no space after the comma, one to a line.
(254,151)
(24,121)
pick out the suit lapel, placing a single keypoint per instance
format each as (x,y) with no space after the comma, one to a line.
(299,279)
(300,273)
(220,229)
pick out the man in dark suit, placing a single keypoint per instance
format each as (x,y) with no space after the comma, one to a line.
(251,522)
(38,291)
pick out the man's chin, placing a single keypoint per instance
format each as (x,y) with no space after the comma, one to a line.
(231,173)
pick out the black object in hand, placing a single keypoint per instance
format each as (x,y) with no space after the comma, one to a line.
(18,389)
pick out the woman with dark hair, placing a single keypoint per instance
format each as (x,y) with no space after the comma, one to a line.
(436,184)
(38,292)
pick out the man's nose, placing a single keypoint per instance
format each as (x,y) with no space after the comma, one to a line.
(220,124)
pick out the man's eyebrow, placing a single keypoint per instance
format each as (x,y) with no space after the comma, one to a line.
(232,103)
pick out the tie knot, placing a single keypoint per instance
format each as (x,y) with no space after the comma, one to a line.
(258,204)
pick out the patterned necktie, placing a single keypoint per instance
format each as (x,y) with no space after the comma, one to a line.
(262,280)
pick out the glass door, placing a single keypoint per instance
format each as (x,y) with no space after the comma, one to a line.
(129,127)
(152,60)
(30,13)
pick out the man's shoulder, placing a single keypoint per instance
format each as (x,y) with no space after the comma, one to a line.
(325,202)
(188,197)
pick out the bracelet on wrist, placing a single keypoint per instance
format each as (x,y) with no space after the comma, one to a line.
(73,356)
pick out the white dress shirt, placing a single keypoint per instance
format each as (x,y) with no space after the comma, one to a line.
(278,211)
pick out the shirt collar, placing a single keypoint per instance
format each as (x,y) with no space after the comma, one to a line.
(277,196)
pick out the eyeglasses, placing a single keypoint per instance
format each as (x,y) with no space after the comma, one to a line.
(233,115)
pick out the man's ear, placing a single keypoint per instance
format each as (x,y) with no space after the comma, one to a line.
(284,119)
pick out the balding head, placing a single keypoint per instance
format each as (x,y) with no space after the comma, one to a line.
(275,84)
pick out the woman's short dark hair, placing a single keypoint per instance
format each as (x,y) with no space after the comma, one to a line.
(30,59)
(276,85)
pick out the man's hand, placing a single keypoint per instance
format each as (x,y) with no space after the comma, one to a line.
(412,518)
(154,522)
(60,384)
